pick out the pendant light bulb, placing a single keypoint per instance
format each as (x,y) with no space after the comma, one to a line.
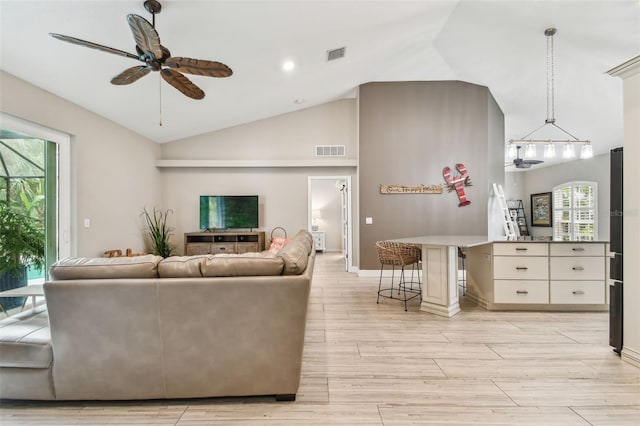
(586,151)
(549,150)
(531,151)
(511,150)
(568,151)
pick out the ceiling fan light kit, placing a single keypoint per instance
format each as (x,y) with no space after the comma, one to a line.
(156,57)
(513,147)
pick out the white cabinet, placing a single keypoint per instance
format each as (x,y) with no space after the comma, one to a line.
(578,273)
(538,275)
(520,273)
(318,240)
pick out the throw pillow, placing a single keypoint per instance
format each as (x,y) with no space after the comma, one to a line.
(277,243)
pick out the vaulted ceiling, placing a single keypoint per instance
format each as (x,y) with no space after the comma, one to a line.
(498,44)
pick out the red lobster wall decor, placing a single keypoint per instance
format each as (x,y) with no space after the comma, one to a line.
(457,183)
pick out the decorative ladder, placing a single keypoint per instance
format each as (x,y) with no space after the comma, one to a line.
(510,229)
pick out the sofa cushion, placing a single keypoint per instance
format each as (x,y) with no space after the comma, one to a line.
(181,266)
(233,266)
(25,340)
(305,237)
(80,268)
(295,256)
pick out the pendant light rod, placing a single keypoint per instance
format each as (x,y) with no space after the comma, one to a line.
(550,120)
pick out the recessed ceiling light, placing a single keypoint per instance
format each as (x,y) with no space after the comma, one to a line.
(298,101)
(288,65)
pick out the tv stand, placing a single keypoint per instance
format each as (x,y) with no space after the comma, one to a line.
(214,242)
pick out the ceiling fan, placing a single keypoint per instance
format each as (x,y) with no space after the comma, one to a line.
(522,163)
(156,57)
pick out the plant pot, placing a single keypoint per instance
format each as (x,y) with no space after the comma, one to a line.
(10,280)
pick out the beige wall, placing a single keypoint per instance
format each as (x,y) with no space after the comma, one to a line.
(291,136)
(410,131)
(113,173)
(282,190)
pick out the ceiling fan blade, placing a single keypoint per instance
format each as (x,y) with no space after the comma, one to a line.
(199,67)
(182,83)
(146,37)
(130,75)
(92,45)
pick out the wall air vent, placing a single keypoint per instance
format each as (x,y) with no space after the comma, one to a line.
(330,150)
(336,53)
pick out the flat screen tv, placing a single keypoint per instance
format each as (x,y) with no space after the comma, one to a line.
(228,211)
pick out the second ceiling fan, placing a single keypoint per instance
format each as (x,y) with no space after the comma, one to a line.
(156,57)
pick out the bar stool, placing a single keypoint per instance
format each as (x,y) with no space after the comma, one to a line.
(400,255)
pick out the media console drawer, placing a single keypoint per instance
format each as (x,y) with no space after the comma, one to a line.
(223,242)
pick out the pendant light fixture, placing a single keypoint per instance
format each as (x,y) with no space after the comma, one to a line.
(568,144)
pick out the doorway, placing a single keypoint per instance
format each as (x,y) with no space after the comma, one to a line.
(329,214)
(39,160)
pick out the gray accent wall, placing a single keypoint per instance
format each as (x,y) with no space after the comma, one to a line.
(410,131)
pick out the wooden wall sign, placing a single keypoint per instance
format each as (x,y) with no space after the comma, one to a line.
(404,189)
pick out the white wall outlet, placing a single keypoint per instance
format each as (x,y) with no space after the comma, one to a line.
(368,221)
(87,223)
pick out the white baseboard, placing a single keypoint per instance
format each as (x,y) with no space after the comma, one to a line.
(630,355)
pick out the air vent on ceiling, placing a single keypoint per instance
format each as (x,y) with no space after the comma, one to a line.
(335,53)
(330,150)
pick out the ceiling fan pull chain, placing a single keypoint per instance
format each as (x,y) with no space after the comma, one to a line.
(160,98)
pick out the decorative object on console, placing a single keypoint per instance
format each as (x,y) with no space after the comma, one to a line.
(156,57)
(457,183)
(404,189)
(549,151)
(118,253)
(541,210)
(158,232)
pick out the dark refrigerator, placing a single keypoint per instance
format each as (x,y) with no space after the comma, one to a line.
(615,240)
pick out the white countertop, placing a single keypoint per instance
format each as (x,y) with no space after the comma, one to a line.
(447,240)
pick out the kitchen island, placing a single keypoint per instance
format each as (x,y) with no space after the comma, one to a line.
(513,275)
(440,270)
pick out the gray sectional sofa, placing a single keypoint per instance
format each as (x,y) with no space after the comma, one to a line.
(148,328)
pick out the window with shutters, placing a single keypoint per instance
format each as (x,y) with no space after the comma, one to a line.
(575,212)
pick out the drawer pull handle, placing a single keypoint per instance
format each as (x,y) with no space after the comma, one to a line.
(577,249)
(521,249)
(522,292)
(576,292)
(521,268)
(578,268)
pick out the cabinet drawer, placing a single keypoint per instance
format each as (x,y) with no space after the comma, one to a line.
(578,292)
(577,268)
(576,249)
(520,268)
(521,249)
(223,248)
(247,247)
(512,291)
(198,248)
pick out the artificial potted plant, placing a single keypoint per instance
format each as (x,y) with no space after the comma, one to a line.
(158,232)
(21,245)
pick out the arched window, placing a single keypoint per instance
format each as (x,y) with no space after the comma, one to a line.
(575,210)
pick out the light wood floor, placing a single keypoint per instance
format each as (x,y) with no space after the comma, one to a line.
(368,364)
